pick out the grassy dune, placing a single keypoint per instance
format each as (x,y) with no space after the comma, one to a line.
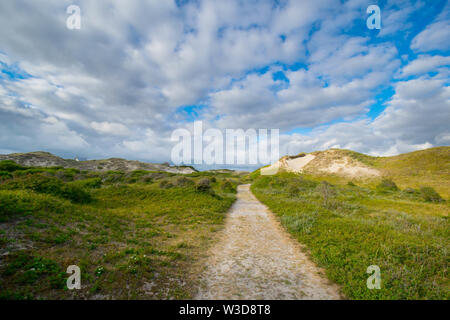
(134,235)
(347,228)
(430,167)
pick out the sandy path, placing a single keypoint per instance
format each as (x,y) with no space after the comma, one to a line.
(256,259)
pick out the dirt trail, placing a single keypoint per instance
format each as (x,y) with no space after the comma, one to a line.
(256,259)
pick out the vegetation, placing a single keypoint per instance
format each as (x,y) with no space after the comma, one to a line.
(131,238)
(347,228)
(415,169)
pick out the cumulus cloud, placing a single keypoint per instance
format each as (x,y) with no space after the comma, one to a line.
(122,83)
(424,64)
(436,35)
(416,118)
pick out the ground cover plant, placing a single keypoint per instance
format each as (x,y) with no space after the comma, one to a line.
(133,234)
(346,228)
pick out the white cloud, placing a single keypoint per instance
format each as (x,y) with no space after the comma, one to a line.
(435,36)
(416,118)
(424,64)
(133,64)
(110,128)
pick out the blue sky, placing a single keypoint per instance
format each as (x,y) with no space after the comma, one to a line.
(135,72)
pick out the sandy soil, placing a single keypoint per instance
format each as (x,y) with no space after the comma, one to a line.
(256,259)
(297,164)
(344,168)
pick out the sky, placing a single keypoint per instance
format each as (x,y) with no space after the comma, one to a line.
(136,71)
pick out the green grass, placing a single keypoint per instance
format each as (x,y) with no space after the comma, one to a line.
(132,239)
(348,228)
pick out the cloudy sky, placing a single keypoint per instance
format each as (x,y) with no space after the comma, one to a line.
(137,70)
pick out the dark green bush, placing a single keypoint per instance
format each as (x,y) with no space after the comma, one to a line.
(204,185)
(75,193)
(10,166)
(430,195)
(5,175)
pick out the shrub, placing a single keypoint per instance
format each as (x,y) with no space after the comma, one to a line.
(66,174)
(293,190)
(327,192)
(91,183)
(184,182)
(23,202)
(37,182)
(75,193)
(5,175)
(228,187)
(147,179)
(158,175)
(204,185)
(430,195)
(387,185)
(165,184)
(113,177)
(10,166)
(49,185)
(351,184)
(410,190)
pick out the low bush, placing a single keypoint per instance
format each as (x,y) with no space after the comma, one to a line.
(327,192)
(91,183)
(430,195)
(228,187)
(387,185)
(49,185)
(10,166)
(75,194)
(204,185)
(184,182)
(293,190)
(5,175)
(165,184)
(20,202)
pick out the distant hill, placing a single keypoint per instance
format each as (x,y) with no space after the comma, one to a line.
(46,159)
(429,167)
